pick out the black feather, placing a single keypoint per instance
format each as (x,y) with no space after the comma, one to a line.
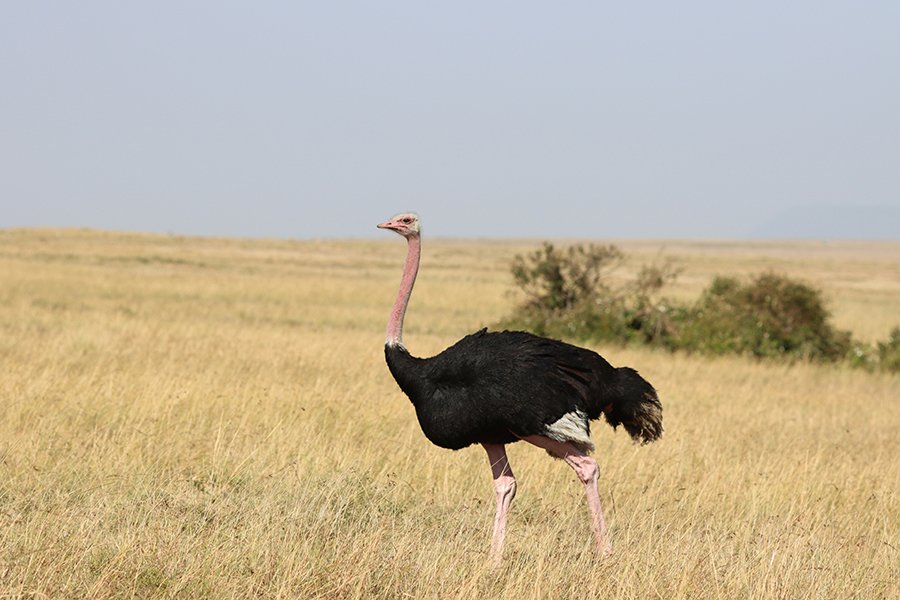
(499,387)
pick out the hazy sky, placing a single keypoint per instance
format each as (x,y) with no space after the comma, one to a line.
(491,118)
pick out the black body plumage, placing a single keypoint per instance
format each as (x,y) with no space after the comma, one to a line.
(499,387)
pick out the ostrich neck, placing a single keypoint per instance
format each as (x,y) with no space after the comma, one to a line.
(395,324)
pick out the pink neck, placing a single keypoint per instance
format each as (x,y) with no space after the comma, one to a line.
(395,324)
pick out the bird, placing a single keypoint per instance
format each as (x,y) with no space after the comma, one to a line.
(501,387)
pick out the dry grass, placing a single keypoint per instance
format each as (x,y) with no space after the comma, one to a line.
(212,418)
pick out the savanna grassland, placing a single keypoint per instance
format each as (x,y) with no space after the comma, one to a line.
(212,418)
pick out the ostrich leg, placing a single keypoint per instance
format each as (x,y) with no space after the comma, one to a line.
(505,490)
(588,472)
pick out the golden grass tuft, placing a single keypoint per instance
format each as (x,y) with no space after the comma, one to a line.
(212,418)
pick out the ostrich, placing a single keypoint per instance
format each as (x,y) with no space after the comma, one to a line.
(496,388)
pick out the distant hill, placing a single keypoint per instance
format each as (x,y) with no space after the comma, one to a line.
(832,222)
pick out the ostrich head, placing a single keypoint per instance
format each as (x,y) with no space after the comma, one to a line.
(406,224)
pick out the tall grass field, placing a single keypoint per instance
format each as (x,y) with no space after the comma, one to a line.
(212,418)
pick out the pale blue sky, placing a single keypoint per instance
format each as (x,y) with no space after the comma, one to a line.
(532,119)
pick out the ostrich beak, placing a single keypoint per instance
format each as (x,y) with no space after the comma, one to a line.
(387,225)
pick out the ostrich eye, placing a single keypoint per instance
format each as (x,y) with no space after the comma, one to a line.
(407,220)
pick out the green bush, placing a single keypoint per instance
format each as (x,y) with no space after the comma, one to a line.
(569,294)
(771,316)
(554,280)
